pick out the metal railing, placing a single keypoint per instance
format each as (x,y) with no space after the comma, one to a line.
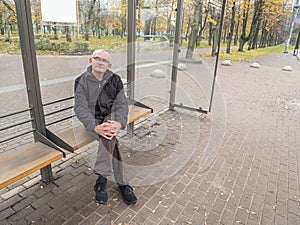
(30,120)
(15,124)
(59,111)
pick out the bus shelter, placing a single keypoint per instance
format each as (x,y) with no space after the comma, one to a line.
(33,85)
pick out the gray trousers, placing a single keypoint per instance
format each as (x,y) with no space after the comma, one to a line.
(109,160)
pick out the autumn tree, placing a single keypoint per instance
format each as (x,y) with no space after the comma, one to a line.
(195,27)
(273,22)
(87,11)
(232,24)
(7,17)
(245,5)
(256,23)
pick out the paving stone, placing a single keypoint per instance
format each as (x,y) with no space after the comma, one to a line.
(12,192)
(6,213)
(126,217)
(158,214)
(18,183)
(4,222)
(213,218)
(75,219)
(91,219)
(154,201)
(10,202)
(253,179)
(23,203)
(36,214)
(227,217)
(29,191)
(108,218)
(15,218)
(293,207)
(32,182)
(280,220)
(175,211)
(219,206)
(292,218)
(44,189)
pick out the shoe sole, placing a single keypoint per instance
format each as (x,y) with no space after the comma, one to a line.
(130,203)
(100,202)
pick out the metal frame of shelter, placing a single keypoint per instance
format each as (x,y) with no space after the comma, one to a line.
(131,55)
(41,133)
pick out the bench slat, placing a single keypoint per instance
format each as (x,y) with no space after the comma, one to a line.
(78,136)
(136,112)
(17,164)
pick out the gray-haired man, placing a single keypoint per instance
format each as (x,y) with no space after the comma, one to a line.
(101,105)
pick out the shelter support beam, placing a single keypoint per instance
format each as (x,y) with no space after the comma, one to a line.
(40,132)
(131,41)
(175,54)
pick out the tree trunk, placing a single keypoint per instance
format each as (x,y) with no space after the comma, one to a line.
(225,35)
(194,29)
(170,17)
(210,34)
(68,35)
(215,40)
(244,38)
(264,34)
(232,23)
(155,18)
(236,36)
(187,29)
(255,25)
(88,20)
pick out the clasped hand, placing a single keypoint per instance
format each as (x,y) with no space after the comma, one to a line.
(108,129)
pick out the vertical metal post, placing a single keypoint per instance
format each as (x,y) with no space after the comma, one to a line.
(25,27)
(218,53)
(77,17)
(131,41)
(295,11)
(296,50)
(175,54)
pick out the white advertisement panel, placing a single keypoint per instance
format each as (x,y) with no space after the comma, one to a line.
(63,11)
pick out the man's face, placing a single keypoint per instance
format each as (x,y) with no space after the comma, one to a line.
(100,62)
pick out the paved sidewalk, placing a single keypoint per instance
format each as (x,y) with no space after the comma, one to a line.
(238,165)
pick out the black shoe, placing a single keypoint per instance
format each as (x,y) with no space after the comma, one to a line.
(101,190)
(127,194)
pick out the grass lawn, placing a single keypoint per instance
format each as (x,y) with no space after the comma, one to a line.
(117,43)
(246,54)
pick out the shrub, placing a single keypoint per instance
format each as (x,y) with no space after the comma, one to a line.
(42,44)
(81,46)
(60,46)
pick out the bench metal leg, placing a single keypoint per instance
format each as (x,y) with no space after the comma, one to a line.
(47,174)
(130,129)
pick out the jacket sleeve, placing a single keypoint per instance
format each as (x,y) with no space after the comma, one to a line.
(120,106)
(81,107)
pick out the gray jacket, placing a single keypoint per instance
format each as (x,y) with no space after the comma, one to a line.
(95,100)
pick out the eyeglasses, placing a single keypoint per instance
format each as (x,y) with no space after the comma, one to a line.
(98,59)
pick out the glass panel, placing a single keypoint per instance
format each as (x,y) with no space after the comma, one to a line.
(13,95)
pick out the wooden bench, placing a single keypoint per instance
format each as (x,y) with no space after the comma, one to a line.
(17,164)
(78,136)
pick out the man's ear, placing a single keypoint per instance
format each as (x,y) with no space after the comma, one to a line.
(109,66)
